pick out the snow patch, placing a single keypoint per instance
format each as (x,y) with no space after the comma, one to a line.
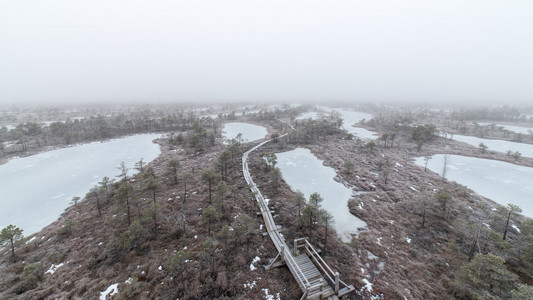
(367,286)
(250,285)
(252,267)
(371,255)
(129,281)
(270,297)
(516,228)
(111,290)
(53,268)
(408,240)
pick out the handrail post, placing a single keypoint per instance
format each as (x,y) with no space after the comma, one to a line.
(321,296)
(295,250)
(336,283)
(282,252)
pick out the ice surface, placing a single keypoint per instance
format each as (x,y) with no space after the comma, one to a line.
(250,132)
(496,145)
(517,129)
(309,115)
(350,118)
(37,189)
(305,172)
(499,181)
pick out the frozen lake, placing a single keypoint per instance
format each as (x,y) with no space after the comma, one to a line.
(305,172)
(517,129)
(310,115)
(37,189)
(496,145)
(250,132)
(499,181)
(350,118)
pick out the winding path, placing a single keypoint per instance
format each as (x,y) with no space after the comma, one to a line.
(309,278)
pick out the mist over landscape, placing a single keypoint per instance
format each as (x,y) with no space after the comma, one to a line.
(266,150)
(178,51)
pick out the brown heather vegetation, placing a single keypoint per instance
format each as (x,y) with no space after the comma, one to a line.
(401,253)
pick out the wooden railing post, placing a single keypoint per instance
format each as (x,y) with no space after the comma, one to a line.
(336,283)
(295,250)
(320,296)
(282,252)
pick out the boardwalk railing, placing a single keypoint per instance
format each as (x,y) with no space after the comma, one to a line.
(319,261)
(284,253)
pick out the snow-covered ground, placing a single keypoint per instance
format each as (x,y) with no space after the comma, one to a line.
(305,172)
(36,189)
(499,181)
(496,145)
(250,132)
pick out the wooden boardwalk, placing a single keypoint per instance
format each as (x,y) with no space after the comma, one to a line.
(315,283)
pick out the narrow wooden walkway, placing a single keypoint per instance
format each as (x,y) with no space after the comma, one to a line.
(314,283)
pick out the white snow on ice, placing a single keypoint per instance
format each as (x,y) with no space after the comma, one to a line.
(50,176)
(350,118)
(497,145)
(309,175)
(499,181)
(516,129)
(250,132)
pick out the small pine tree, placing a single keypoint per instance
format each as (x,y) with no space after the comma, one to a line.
(11,235)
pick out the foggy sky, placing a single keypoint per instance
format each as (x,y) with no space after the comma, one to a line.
(388,50)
